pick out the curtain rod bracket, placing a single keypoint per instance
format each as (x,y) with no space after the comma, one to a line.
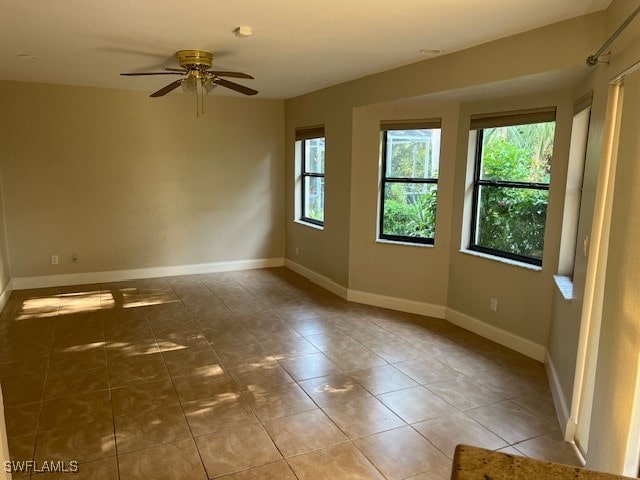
(592,60)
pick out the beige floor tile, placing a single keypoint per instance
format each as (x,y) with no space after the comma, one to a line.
(383,379)
(79,442)
(85,381)
(143,397)
(511,422)
(401,453)
(333,389)
(289,348)
(22,389)
(539,403)
(363,416)
(303,432)
(75,361)
(192,361)
(22,419)
(138,369)
(172,461)
(21,449)
(223,411)
(416,404)
(463,393)
(234,450)
(146,429)
(440,473)
(504,382)
(305,367)
(426,370)
(75,410)
(355,359)
(195,387)
(342,461)
(136,348)
(260,372)
(450,430)
(104,469)
(550,447)
(272,471)
(274,402)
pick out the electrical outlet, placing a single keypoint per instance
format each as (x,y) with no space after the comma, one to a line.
(75,258)
(297,251)
(54,259)
(494,304)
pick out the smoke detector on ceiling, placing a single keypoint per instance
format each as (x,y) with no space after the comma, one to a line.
(243,31)
(431,52)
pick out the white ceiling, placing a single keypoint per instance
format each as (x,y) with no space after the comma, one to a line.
(298,46)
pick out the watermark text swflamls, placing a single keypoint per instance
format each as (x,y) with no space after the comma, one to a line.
(47,466)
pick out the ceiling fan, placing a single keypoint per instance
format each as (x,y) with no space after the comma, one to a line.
(195,66)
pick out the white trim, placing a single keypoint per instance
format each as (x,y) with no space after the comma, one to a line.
(498,335)
(559,399)
(6,293)
(316,278)
(395,303)
(496,258)
(21,283)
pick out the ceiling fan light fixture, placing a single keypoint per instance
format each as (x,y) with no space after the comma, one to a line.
(209,85)
(189,85)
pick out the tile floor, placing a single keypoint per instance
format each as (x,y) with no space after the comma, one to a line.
(256,375)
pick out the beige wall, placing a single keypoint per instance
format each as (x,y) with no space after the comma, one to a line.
(5,273)
(558,46)
(618,370)
(524,295)
(413,272)
(130,182)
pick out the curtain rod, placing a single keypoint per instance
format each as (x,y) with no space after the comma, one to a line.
(592,60)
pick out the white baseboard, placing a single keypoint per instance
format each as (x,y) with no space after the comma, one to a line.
(6,293)
(511,340)
(395,303)
(21,283)
(559,398)
(498,335)
(316,278)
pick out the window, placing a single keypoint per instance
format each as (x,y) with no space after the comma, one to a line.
(409,186)
(311,187)
(511,184)
(573,192)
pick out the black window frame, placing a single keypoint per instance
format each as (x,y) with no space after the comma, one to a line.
(479,182)
(303,175)
(414,180)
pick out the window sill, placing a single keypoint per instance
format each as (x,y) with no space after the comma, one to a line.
(309,224)
(507,261)
(406,244)
(565,286)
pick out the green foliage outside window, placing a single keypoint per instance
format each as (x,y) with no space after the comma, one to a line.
(410,208)
(513,219)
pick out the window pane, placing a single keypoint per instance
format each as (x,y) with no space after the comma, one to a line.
(413,153)
(410,209)
(512,220)
(520,153)
(314,198)
(314,155)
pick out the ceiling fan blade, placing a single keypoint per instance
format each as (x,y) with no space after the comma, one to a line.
(218,73)
(235,86)
(172,69)
(164,90)
(150,73)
